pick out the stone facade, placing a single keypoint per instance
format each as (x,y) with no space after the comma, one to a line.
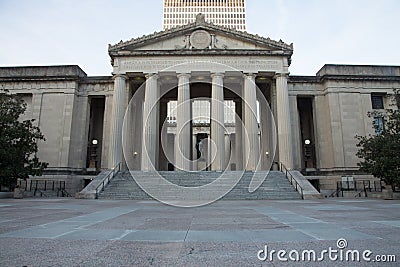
(326,110)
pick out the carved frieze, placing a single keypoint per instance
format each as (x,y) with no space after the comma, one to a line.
(214,64)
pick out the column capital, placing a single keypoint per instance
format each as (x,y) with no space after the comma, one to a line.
(123,76)
(281,75)
(184,75)
(249,75)
(217,74)
(151,75)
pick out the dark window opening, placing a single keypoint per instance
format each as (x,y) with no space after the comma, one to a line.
(377,102)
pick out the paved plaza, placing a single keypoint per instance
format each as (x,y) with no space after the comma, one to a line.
(70,232)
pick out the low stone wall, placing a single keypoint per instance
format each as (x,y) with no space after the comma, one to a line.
(89,192)
(309,192)
(6,195)
(328,183)
(328,186)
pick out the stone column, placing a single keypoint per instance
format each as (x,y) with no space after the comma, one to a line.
(252,147)
(82,140)
(228,152)
(105,155)
(266,137)
(183,117)
(274,114)
(238,135)
(297,143)
(218,122)
(137,131)
(118,108)
(284,126)
(128,134)
(149,144)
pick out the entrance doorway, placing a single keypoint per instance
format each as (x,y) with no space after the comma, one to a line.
(95,134)
(305,107)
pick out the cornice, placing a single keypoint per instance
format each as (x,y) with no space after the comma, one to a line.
(280,45)
(208,52)
(325,78)
(85,80)
(43,79)
(360,78)
(97,79)
(304,79)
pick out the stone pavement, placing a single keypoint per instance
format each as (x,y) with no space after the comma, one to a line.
(70,232)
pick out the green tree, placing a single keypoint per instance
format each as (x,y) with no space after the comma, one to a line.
(18,142)
(380,153)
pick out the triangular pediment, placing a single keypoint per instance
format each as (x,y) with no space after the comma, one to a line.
(199,36)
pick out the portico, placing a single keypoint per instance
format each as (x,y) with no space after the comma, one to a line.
(252,127)
(219,70)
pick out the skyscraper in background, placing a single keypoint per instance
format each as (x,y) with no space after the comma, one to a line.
(227,13)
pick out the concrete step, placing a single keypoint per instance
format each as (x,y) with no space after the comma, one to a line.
(275,186)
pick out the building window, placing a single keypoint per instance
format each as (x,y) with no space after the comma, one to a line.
(377,102)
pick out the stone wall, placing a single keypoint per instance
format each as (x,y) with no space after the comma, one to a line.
(58,98)
(342,99)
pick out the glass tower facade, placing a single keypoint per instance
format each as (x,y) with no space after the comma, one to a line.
(227,13)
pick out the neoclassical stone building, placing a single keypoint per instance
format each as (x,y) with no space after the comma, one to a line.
(201,97)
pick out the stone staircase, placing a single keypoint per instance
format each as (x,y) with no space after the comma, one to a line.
(275,186)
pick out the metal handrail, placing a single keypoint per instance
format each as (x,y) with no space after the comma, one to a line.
(336,192)
(359,186)
(359,193)
(292,181)
(108,178)
(42,186)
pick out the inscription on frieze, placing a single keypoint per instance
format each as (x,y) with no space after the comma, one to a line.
(154,65)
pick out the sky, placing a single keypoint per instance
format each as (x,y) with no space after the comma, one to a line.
(77,32)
